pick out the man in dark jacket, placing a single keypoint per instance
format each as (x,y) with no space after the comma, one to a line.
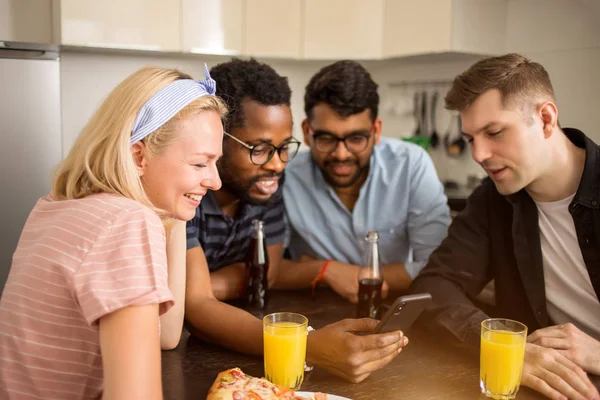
(533,227)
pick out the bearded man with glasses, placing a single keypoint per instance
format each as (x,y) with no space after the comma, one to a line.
(257,145)
(353,181)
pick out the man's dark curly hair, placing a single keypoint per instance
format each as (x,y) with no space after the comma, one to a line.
(346,86)
(239,80)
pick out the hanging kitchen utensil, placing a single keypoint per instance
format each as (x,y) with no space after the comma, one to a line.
(456,147)
(417,114)
(449,131)
(424,130)
(435,139)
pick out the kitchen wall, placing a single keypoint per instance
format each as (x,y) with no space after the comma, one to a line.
(87,77)
(559,34)
(397,106)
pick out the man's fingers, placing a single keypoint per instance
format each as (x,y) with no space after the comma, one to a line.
(552,343)
(382,340)
(585,386)
(560,385)
(541,386)
(555,331)
(376,359)
(579,371)
(350,293)
(561,375)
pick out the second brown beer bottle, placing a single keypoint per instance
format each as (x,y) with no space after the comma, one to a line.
(370,279)
(257,268)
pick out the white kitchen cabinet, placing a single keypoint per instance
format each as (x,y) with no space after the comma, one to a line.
(273,28)
(124,24)
(414,27)
(337,29)
(479,26)
(212,26)
(26,21)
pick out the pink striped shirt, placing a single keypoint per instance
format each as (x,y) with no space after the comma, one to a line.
(76,261)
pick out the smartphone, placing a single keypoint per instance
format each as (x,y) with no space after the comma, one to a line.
(403,312)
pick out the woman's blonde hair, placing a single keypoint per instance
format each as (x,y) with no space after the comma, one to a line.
(101,158)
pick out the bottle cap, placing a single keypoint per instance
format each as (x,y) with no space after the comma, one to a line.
(372,236)
(257,224)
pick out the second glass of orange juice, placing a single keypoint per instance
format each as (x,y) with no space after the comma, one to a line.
(285,348)
(502,353)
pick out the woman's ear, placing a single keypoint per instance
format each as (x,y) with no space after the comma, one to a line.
(140,157)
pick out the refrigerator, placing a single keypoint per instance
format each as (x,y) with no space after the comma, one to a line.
(30,136)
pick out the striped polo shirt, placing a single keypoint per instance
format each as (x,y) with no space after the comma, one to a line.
(225,240)
(76,261)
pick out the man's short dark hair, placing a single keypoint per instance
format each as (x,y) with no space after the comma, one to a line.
(346,86)
(239,80)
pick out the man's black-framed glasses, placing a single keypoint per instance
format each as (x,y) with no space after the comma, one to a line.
(354,142)
(262,153)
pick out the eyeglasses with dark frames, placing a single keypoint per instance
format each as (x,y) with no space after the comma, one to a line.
(354,142)
(262,153)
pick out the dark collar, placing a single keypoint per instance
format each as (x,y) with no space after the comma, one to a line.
(210,205)
(589,187)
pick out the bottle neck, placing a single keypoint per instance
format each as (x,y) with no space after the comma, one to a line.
(258,234)
(258,250)
(371,268)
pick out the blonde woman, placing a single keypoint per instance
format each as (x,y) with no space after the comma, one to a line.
(79,316)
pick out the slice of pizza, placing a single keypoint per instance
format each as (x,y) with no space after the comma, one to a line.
(233,384)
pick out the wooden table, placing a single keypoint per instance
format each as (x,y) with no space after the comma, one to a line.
(425,370)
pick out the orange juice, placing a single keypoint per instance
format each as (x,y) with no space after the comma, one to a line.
(285,350)
(502,354)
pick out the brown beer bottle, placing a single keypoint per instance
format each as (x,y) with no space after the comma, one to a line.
(257,268)
(370,279)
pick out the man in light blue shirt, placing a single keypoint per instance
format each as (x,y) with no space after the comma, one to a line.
(353,181)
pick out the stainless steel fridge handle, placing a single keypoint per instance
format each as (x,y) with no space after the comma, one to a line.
(28,50)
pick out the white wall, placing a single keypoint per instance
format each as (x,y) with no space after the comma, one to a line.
(564,36)
(88,77)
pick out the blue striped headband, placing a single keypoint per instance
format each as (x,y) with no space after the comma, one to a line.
(167,102)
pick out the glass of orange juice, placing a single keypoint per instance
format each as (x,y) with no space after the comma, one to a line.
(502,353)
(285,348)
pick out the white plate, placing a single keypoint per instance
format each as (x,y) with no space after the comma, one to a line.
(329,396)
